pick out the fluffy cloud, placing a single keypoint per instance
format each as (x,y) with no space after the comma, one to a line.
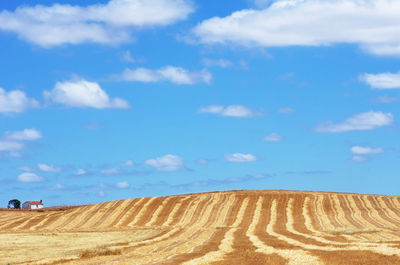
(373,25)
(382,81)
(15,101)
(229,111)
(11,146)
(173,74)
(108,23)
(24,135)
(48,168)
(29,177)
(360,153)
(83,93)
(166,163)
(13,141)
(363,121)
(273,137)
(123,185)
(239,157)
(360,150)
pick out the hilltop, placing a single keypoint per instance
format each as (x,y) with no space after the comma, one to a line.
(235,227)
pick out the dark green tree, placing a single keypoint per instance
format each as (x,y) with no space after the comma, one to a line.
(16,204)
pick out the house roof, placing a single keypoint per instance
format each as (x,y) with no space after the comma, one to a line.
(34,202)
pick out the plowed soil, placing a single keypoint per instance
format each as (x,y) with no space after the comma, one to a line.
(235,227)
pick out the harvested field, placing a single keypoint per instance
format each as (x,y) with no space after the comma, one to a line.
(236,227)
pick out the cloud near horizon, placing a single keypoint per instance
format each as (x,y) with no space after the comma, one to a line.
(360,153)
(29,177)
(363,121)
(123,184)
(240,158)
(166,163)
(48,168)
(109,23)
(82,93)
(365,150)
(372,25)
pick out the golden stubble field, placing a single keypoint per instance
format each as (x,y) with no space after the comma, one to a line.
(236,227)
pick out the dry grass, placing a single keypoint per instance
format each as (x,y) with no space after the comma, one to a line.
(99,251)
(237,227)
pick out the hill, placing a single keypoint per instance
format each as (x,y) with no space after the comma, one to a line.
(235,227)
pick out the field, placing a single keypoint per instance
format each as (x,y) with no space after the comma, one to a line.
(235,227)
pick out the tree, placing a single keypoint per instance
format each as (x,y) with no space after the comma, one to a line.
(16,204)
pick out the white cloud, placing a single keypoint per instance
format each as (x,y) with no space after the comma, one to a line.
(358,159)
(214,109)
(15,101)
(109,171)
(173,74)
(363,121)
(48,168)
(217,62)
(273,137)
(123,185)
(13,141)
(128,163)
(109,23)
(285,110)
(229,111)
(83,93)
(360,150)
(239,157)
(11,146)
(166,163)
(29,177)
(373,25)
(81,172)
(101,193)
(383,81)
(24,135)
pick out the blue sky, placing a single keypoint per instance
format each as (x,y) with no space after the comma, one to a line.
(128,98)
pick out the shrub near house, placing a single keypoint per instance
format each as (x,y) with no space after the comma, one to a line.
(32,205)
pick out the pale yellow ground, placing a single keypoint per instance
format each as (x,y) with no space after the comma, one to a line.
(41,248)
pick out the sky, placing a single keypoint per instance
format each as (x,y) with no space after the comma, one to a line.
(109,100)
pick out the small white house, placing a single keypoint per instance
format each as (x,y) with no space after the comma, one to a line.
(32,205)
